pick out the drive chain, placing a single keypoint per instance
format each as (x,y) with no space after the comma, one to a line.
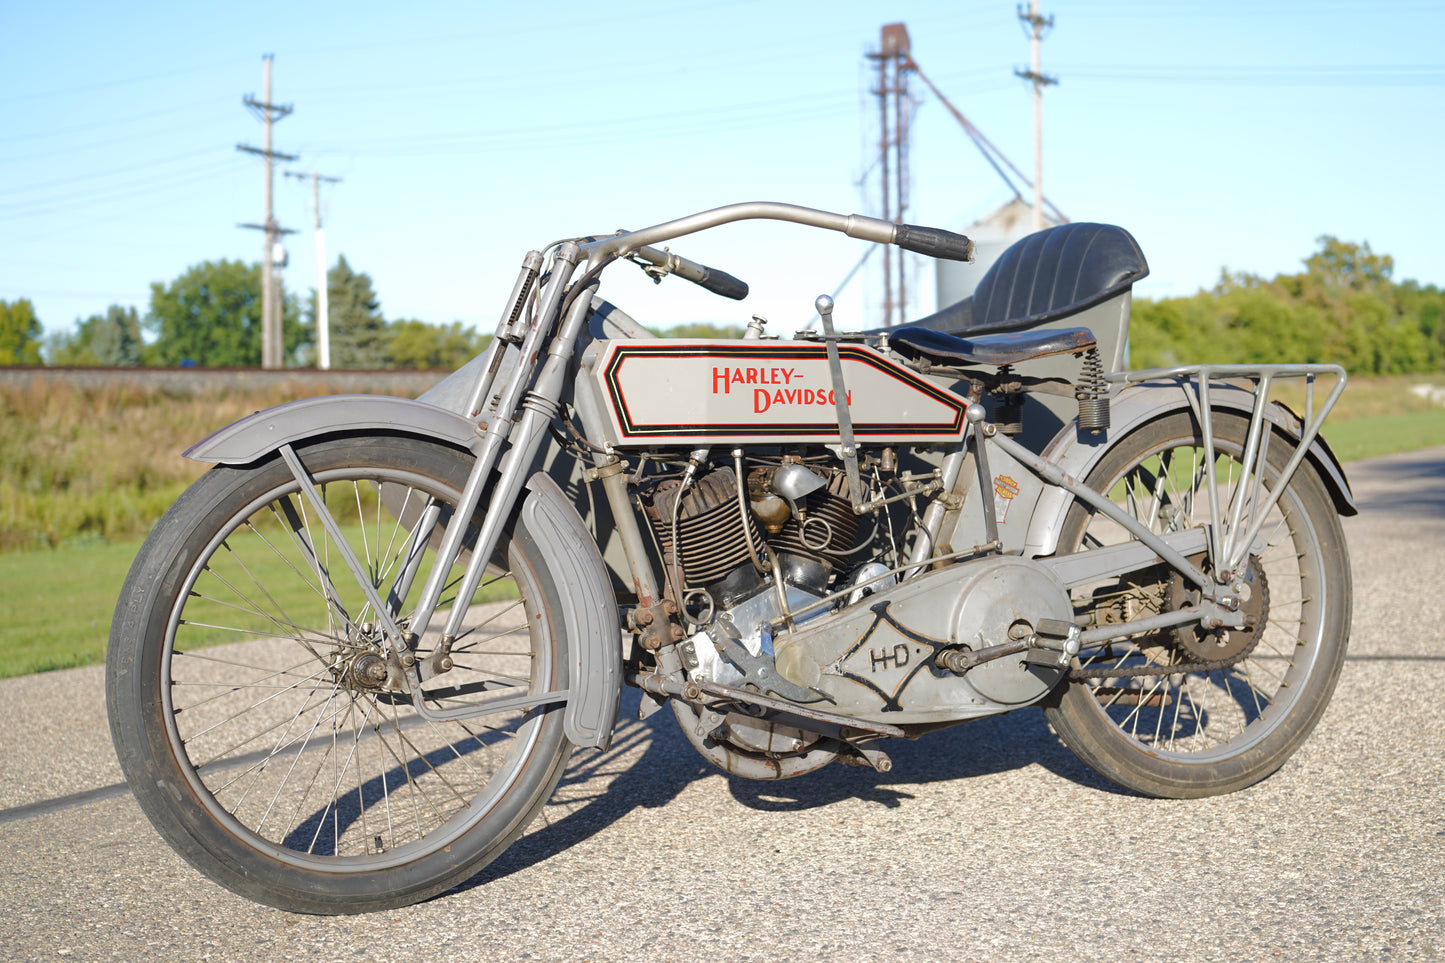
(1183,668)
(1179,668)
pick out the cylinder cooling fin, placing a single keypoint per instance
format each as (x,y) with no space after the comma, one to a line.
(811,537)
(710,529)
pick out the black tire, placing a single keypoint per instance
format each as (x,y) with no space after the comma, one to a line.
(1202,733)
(243,713)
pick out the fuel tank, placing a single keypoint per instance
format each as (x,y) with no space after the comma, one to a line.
(693,391)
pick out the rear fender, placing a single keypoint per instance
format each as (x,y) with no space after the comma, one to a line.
(1139,404)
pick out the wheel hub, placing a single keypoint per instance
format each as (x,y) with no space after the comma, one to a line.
(361,664)
(367,671)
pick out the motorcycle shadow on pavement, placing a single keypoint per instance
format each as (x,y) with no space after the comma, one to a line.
(996,744)
(650,764)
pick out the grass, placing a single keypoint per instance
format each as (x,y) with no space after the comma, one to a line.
(56,608)
(56,611)
(83,474)
(102,462)
(1366,397)
(1378,435)
(1375,416)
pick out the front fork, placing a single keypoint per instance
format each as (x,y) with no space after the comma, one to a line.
(538,407)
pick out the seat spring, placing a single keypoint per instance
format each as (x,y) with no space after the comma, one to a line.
(1092,393)
(1008,413)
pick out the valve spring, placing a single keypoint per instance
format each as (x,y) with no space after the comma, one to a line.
(832,505)
(1092,393)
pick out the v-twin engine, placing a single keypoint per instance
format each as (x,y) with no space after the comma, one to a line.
(810,528)
(757,584)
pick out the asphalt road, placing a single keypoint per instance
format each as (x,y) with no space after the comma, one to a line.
(986,842)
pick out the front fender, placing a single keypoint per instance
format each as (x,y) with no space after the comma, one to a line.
(256,435)
(585,602)
(588,610)
(1135,406)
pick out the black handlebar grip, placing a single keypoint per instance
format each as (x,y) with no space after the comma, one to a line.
(934,242)
(721,282)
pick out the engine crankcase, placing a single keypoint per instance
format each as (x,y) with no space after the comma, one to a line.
(876,659)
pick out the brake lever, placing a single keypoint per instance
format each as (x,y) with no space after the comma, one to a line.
(658,264)
(655,271)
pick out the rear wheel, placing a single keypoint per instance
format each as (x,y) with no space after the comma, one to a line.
(259,720)
(1185,712)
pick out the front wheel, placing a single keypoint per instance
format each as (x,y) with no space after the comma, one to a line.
(1184,712)
(256,715)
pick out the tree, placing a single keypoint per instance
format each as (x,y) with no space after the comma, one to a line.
(701,329)
(1343,308)
(433,347)
(359,336)
(19,333)
(1341,265)
(1370,331)
(211,316)
(111,340)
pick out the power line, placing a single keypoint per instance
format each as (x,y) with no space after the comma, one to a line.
(323,301)
(659,127)
(269,113)
(101,194)
(1390,75)
(995,157)
(69,182)
(1037,26)
(126,122)
(110,83)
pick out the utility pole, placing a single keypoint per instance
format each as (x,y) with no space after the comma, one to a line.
(323,307)
(1037,25)
(893,103)
(270,302)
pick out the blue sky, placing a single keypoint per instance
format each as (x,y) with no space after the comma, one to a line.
(1223,133)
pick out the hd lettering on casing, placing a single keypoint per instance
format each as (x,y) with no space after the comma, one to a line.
(880,660)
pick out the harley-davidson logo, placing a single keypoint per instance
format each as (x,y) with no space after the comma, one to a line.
(888,643)
(764,399)
(723,380)
(1005,489)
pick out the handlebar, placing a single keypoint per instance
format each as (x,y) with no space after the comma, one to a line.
(930,241)
(934,242)
(721,282)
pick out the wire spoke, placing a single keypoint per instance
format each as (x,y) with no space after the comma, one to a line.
(281,697)
(1188,714)
(251,708)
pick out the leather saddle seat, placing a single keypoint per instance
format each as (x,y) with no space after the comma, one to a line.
(936,347)
(1043,278)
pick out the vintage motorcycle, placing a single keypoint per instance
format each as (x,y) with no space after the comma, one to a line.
(349,665)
